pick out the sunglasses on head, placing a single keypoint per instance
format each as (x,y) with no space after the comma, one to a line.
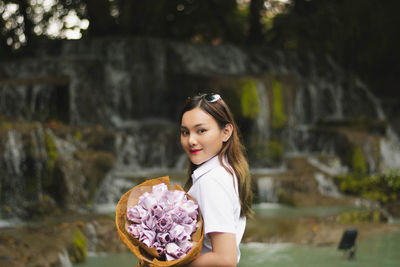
(212,97)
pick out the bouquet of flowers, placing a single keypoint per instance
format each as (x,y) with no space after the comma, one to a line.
(161,226)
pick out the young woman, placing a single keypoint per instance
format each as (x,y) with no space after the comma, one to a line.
(219,177)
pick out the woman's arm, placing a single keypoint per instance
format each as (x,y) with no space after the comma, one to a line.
(224,252)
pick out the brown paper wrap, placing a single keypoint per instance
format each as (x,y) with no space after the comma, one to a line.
(148,256)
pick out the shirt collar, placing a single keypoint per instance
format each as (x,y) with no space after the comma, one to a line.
(205,167)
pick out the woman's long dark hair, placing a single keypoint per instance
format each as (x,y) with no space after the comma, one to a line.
(232,149)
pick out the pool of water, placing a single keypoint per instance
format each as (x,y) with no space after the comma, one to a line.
(274,210)
(382,250)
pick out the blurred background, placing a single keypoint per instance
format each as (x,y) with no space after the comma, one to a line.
(90,96)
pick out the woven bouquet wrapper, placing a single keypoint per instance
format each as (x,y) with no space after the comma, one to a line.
(149,256)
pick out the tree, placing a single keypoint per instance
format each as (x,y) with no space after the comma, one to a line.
(255,33)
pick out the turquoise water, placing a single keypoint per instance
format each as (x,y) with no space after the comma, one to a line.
(376,251)
(382,250)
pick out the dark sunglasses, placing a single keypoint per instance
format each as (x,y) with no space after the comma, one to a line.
(212,97)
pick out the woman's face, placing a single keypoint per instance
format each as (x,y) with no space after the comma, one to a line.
(201,137)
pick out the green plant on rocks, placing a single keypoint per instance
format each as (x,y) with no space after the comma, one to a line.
(78,251)
(356,217)
(279,118)
(249,99)
(359,163)
(383,188)
(51,149)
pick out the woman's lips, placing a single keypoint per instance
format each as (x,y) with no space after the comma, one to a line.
(194,151)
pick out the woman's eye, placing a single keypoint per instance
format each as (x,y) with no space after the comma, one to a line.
(202,130)
(184,132)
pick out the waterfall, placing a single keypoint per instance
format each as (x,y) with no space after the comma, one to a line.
(390,154)
(64,259)
(12,180)
(144,147)
(326,185)
(267,190)
(132,87)
(91,236)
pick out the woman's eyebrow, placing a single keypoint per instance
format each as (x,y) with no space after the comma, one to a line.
(195,126)
(199,124)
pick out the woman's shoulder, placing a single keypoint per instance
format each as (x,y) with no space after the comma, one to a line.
(220,176)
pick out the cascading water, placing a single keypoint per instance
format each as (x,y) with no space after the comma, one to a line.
(12,176)
(267,190)
(135,87)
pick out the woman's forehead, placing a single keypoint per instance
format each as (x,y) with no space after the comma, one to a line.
(196,117)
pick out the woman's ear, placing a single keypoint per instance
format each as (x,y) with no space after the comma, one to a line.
(227,132)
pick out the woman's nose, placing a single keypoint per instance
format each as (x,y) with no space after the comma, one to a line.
(192,140)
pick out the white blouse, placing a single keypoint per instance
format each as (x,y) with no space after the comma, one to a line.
(216,193)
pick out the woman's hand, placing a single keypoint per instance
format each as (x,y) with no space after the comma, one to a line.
(224,252)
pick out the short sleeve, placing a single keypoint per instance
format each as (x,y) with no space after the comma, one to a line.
(216,207)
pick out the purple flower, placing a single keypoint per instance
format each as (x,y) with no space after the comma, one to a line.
(164,223)
(178,233)
(133,229)
(147,237)
(160,248)
(147,201)
(159,190)
(190,208)
(157,211)
(148,222)
(164,220)
(173,251)
(186,246)
(136,213)
(163,238)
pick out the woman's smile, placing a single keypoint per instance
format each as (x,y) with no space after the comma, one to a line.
(194,151)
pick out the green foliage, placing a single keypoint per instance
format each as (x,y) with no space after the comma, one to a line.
(383,188)
(78,135)
(367,27)
(355,217)
(285,198)
(279,117)
(78,252)
(268,152)
(274,150)
(359,163)
(249,99)
(51,149)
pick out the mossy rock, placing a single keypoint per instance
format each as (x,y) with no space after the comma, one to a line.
(356,217)
(77,250)
(249,100)
(384,188)
(266,153)
(359,162)
(279,118)
(286,198)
